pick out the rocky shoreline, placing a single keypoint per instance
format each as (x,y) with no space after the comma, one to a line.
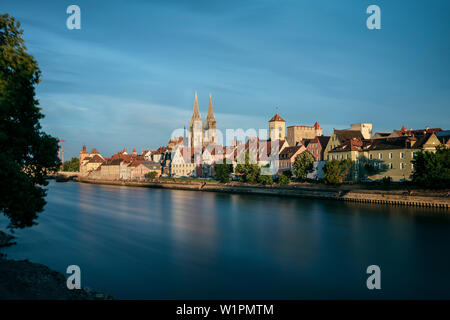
(25,280)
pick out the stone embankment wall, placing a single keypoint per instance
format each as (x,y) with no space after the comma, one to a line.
(396,197)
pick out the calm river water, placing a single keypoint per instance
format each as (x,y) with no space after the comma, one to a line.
(138,243)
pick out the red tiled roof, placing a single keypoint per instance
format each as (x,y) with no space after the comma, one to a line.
(353,144)
(277,117)
(96,159)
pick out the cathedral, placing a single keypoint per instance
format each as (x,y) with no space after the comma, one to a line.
(202,135)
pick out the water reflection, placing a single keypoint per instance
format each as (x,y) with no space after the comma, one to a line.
(151,243)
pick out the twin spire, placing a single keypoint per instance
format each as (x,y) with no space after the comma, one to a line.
(196,114)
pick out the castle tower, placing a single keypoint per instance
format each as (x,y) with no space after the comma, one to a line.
(196,127)
(277,128)
(210,126)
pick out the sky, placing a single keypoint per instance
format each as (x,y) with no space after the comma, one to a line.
(127,78)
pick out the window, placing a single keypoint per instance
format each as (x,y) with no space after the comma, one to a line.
(412,155)
(390,155)
(391,166)
(402,155)
(412,166)
(402,166)
(380,156)
(370,156)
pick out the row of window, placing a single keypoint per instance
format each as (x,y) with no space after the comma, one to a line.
(402,166)
(182,165)
(391,155)
(371,156)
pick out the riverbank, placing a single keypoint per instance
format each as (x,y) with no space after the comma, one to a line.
(25,280)
(349,193)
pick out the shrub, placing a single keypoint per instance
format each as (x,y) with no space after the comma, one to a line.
(283,180)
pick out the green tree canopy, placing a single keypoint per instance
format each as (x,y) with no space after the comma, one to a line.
(249,172)
(283,180)
(223,172)
(151,175)
(303,164)
(335,171)
(364,168)
(265,179)
(432,169)
(27,154)
(72,165)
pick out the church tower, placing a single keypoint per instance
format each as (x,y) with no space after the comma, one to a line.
(196,127)
(277,128)
(210,126)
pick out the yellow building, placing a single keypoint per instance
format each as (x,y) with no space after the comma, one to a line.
(89,161)
(397,154)
(393,155)
(338,138)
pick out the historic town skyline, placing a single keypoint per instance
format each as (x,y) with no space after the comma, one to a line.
(315,63)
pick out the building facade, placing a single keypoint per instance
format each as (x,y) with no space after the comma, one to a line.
(296,134)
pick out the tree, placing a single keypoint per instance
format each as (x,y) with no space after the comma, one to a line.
(335,171)
(265,179)
(71,165)
(27,154)
(287,173)
(249,172)
(432,169)
(364,168)
(283,180)
(223,172)
(151,175)
(303,164)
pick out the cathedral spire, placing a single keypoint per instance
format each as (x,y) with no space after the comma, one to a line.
(210,109)
(196,114)
(210,117)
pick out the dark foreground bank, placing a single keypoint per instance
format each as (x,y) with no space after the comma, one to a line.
(25,280)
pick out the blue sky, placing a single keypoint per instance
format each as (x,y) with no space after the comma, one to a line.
(128,77)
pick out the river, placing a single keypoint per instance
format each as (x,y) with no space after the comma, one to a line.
(139,243)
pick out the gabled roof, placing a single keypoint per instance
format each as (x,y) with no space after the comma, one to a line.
(290,151)
(277,117)
(353,144)
(323,140)
(96,159)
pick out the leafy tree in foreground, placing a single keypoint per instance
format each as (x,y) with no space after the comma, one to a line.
(249,172)
(303,164)
(283,180)
(223,172)
(72,165)
(152,175)
(265,179)
(335,171)
(432,169)
(27,154)
(364,168)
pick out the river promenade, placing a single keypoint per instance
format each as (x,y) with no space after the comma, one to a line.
(343,193)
